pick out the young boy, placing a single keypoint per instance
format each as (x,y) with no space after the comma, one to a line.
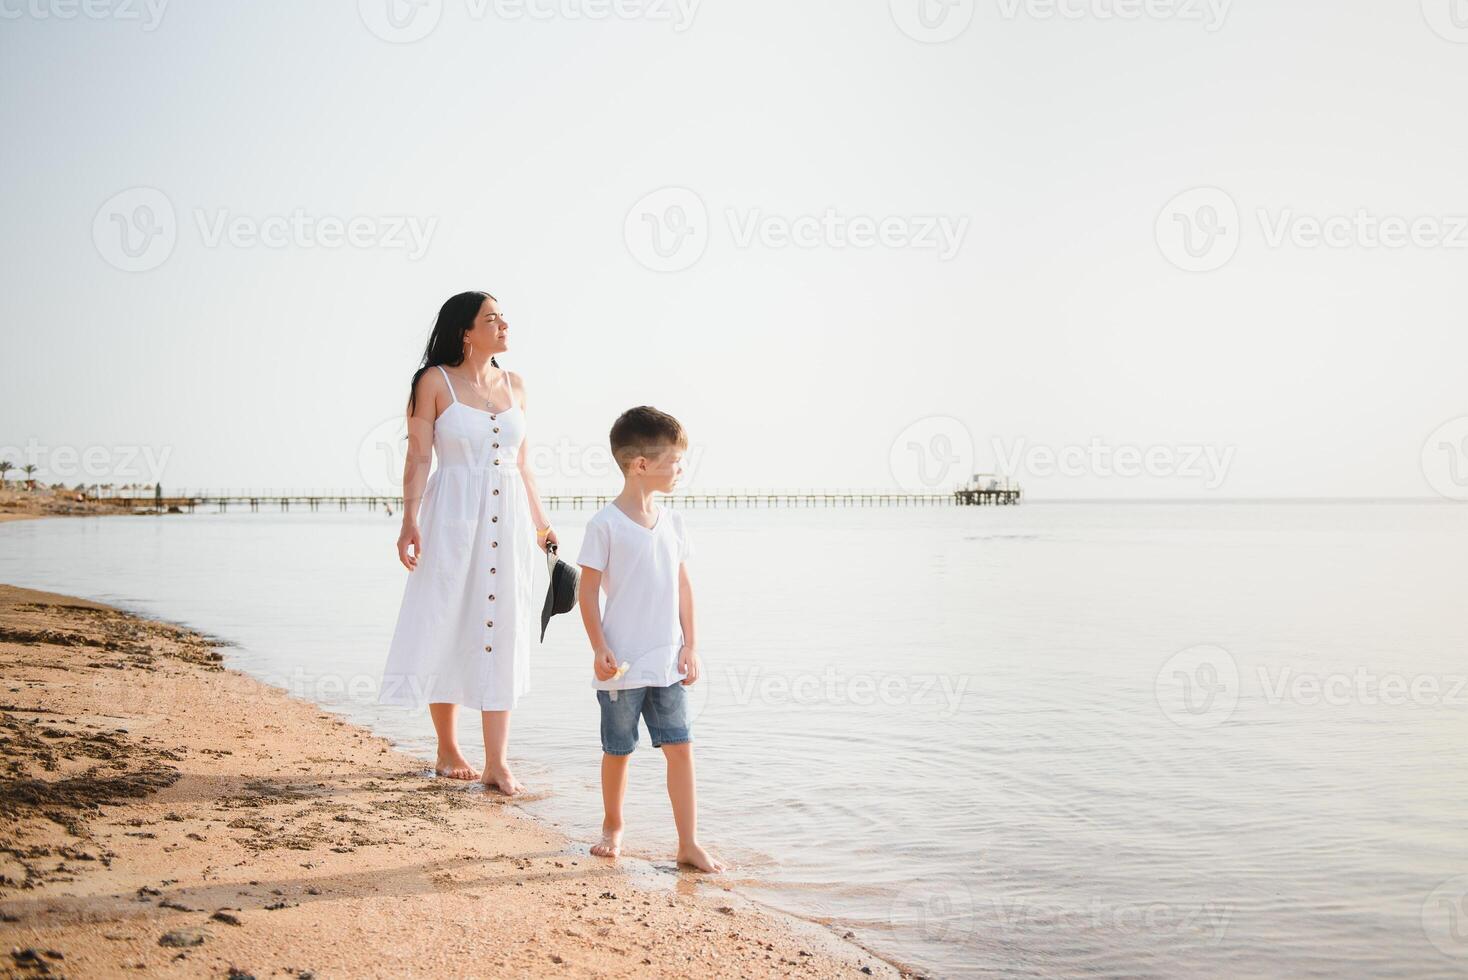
(643,641)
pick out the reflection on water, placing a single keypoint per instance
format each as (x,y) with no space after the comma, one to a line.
(1132,740)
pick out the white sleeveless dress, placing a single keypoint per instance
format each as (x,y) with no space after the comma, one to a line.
(463,631)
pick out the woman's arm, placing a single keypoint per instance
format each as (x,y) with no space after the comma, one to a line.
(416,466)
(537,512)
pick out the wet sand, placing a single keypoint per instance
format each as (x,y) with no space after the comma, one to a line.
(161,813)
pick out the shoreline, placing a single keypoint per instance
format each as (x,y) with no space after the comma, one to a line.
(167,813)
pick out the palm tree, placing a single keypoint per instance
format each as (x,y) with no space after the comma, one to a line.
(29,470)
(5,467)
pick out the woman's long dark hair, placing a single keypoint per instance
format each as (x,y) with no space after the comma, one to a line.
(446,342)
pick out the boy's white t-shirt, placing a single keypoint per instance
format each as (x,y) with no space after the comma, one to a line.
(639,569)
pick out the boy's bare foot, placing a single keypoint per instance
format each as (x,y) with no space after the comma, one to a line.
(502,779)
(610,844)
(699,859)
(453,765)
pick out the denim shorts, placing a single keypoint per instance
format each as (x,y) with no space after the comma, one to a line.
(665,710)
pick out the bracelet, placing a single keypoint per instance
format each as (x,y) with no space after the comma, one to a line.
(541,532)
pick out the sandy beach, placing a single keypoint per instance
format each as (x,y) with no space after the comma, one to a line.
(165,814)
(18,504)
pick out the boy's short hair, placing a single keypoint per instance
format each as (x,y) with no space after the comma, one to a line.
(645,431)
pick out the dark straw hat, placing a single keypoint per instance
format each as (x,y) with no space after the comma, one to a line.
(561,596)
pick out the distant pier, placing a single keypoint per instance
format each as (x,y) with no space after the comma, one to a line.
(221,501)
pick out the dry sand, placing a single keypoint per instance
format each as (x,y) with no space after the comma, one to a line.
(17,504)
(164,815)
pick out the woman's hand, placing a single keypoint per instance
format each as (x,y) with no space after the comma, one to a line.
(410,536)
(548,540)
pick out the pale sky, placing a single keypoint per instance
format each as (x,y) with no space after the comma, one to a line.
(1057,315)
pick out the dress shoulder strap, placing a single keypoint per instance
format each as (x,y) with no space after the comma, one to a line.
(509,388)
(447,382)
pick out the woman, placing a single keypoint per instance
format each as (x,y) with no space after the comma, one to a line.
(463,632)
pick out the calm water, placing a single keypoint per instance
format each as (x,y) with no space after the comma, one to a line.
(1114,740)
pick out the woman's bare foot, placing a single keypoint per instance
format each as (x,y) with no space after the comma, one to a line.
(697,858)
(453,765)
(610,844)
(500,778)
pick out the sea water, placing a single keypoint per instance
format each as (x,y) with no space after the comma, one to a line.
(1055,739)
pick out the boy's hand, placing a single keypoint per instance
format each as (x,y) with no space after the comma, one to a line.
(688,665)
(605,664)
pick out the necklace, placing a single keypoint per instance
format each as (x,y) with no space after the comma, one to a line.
(482,392)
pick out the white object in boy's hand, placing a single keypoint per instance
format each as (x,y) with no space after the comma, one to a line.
(618,676)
